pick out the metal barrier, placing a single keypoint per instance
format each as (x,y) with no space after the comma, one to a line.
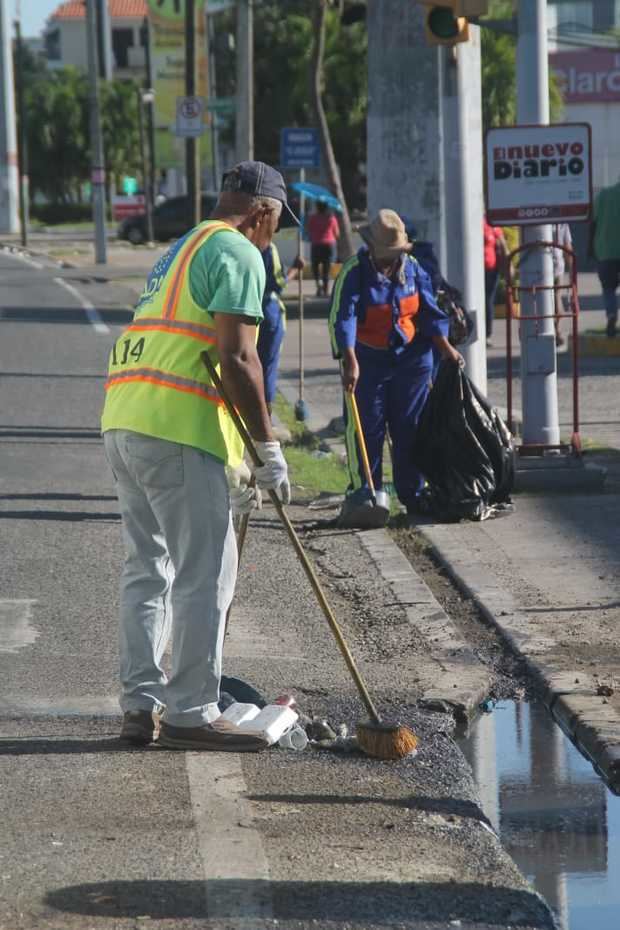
(513,292)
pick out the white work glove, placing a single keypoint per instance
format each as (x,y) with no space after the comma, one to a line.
(243,498)
(273,473)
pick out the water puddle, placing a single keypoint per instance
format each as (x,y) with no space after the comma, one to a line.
(554,815)
(16,630)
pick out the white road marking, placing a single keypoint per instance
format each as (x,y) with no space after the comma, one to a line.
(91,312)
(231,848)
(69,705)
(16,630)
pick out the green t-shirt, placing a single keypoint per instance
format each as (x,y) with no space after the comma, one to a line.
(607,219)
(227,275)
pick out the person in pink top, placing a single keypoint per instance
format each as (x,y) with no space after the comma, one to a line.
(324,231)
(495,252)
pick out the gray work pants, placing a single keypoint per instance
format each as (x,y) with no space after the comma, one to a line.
(179,574)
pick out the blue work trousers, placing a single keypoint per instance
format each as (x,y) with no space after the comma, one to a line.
(391,392)
(270,336)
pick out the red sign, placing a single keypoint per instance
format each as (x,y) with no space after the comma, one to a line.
(592,76)
(123,207)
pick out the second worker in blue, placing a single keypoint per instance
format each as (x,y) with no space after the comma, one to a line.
(273,326)
(384,323)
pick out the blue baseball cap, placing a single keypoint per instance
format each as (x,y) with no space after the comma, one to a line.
(258,180)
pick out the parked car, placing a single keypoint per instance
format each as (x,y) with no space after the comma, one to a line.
(169,220)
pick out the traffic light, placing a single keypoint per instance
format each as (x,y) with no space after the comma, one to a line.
(447,23)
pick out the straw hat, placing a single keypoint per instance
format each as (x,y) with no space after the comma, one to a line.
(386,236)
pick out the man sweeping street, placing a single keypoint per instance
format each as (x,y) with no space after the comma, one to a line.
(168,440)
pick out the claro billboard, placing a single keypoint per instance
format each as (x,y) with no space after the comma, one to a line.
(591,76)
(538,174)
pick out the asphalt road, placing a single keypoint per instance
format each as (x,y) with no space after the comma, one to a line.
(98,836)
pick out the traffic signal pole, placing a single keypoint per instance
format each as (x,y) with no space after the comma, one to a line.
(539,393)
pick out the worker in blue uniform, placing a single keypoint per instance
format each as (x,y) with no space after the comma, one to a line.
(273,326)
(384,323)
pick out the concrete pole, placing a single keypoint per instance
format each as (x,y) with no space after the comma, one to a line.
(464,196)
(244,134)
(96,138)
(539,392)
(9,175)
(404,127)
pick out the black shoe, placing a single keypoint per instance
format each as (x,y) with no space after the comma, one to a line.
(140,727)
(612,328)
(208,738)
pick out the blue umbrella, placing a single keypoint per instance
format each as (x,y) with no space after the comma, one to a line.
(316,192)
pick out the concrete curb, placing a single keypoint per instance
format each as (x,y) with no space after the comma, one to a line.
(597,345)
(462,682)
(586,718)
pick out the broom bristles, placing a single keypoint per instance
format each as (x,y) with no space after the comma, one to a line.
(386,741)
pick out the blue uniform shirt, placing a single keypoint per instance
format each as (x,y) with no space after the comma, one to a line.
(382,313)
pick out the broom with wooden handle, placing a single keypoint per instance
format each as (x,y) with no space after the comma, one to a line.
(376,738)
(351,402)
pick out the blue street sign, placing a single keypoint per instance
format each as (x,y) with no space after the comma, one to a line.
(300,148)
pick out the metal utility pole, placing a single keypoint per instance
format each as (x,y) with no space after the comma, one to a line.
(22,147)
(9,181)
(215,136)
(244,139)
(192,166)
(104,41)
(150,105)
(96,138)
(539,393)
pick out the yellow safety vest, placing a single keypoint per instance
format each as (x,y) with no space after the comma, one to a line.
(157,383)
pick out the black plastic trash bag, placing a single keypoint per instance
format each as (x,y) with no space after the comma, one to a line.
(464,450)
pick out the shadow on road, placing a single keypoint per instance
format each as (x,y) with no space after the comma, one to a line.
(372,902)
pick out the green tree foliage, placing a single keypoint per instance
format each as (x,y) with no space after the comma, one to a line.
(499,76)
(58,129)
(283,46)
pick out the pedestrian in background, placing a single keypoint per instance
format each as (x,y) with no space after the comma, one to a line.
(562,265)
(384,322)
(495,252)
(324,232)
(272,329)
(605,247)
(169,439)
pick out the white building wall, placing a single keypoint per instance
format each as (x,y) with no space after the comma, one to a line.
(605,121)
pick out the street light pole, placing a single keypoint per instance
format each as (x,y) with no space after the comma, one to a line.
(192,166)
(150,116)
(142,100)
(22,146)
(96,139)
(539,392)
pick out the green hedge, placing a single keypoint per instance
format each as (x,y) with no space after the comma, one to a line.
(52,213)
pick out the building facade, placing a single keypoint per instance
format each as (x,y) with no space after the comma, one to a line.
(65,36)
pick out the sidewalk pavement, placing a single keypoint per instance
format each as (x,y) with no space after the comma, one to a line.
(546,576)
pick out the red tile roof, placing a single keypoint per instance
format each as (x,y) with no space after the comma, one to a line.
(128,9)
